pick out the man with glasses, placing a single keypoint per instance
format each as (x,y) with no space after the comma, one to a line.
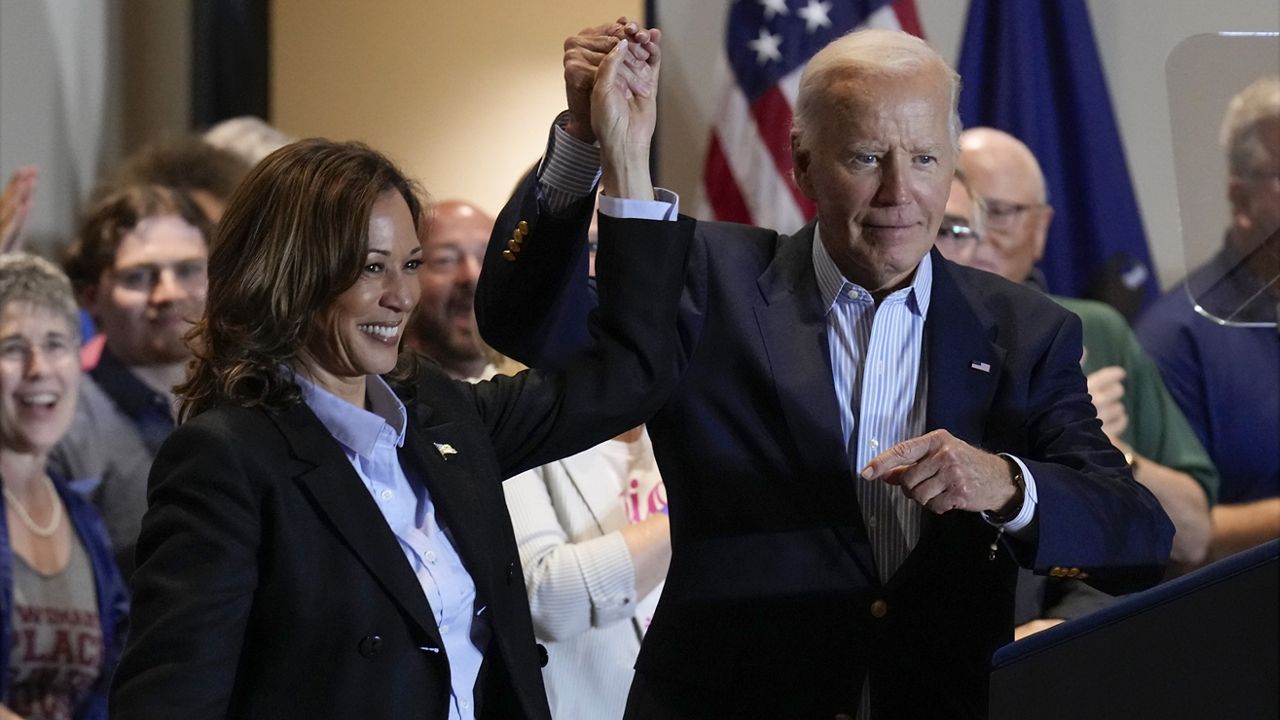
(1136,410)
(1227,379)
(454,234)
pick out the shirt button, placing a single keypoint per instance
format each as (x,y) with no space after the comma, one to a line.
(466,704)
(430,556)
(872,522)
(852,294)
(875,443)
(386,495)
(444,629)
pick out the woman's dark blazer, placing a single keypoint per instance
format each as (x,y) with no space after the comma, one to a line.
(270,586)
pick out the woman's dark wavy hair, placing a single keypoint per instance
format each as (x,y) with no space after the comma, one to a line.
(293,238)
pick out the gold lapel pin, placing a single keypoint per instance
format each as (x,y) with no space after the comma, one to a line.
(445,450)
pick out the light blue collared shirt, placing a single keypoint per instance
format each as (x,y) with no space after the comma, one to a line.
(370,439)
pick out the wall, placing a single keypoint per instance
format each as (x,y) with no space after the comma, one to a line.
(81,83)
(1134,39)
(460,94)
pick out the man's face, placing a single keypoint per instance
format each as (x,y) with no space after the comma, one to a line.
(958,235)
(453,251)
(1016,221)
(1255,199)
(148,299)
(878,164)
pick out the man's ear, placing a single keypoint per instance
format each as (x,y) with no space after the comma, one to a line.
(800,158)
(1239,199)
(1044,218)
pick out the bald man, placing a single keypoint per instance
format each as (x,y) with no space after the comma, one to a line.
(1137,412)
(454,235)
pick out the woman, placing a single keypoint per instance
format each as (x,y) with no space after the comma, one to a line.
(595,545)
(320,543)
(62,603)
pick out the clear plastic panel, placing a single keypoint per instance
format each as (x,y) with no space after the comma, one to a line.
(1230,220)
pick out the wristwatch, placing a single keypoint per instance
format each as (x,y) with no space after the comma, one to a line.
(1132,460)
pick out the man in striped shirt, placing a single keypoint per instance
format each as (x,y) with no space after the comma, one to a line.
(845,535)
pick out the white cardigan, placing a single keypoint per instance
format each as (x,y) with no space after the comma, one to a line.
(581,581)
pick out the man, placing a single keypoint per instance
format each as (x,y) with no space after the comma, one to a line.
(454,235)
(840,544)
(139,268)
(1227,379)
(1137,413)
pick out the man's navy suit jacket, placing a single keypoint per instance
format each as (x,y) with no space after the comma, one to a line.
(772,605)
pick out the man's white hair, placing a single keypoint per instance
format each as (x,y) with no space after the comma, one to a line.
(871,53)
(1248,110)
(247,137)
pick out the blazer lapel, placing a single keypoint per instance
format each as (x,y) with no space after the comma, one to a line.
(964,361)
(793,328)
(439,456)
(964,366)
(601,500)
(340,496)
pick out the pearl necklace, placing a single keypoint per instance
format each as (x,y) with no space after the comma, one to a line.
(45,531)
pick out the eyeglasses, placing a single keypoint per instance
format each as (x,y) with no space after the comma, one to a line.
(446,259)
(1001,214)
(957,232)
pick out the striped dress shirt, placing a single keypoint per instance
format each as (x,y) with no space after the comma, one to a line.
(880,383)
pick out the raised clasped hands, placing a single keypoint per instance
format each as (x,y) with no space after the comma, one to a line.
(583,54)
(942,472)
(611,83)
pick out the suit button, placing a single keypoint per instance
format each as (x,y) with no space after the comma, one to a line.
(511,572)
(523,227)
(879,609)
(542,655)
(370,645)
(508,256)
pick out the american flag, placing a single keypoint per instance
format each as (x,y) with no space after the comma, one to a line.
(747,177)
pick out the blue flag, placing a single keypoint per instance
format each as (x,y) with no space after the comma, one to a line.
(1032,70)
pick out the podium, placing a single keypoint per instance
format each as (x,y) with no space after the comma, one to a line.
(1202,646)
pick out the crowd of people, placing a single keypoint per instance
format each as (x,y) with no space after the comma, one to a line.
(258,461)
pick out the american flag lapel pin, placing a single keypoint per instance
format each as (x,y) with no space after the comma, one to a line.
(980,366)
(445,449)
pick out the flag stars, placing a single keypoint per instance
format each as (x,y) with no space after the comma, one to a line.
(774,8)
(767,46)
(815,15)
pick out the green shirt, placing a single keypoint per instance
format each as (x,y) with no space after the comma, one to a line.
(1157,429)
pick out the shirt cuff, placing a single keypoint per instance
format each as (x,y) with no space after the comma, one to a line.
(664,206)
(1027,512)
(610,577)
(569,170)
